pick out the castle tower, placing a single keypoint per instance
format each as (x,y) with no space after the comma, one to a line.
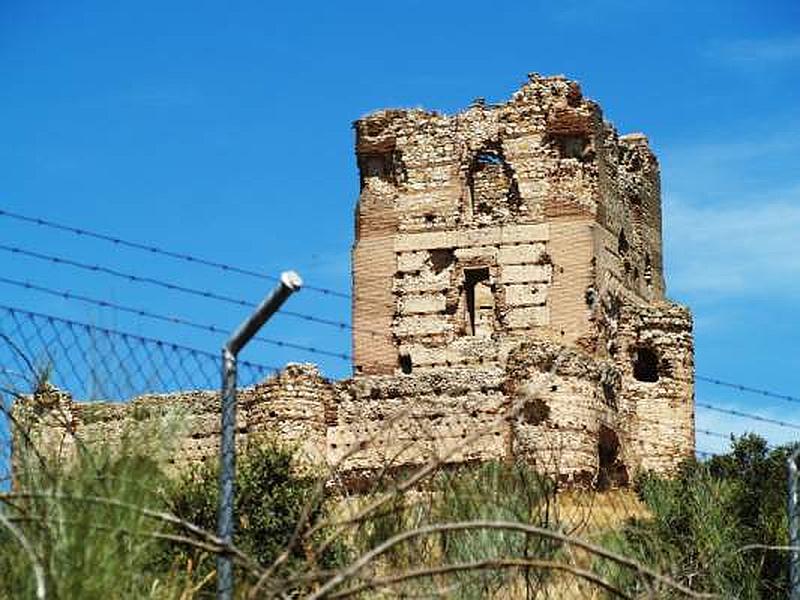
(501,222)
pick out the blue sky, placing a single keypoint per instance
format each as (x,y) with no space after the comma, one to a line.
(225,132)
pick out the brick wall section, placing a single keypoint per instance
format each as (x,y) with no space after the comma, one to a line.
(293,406)
(572,250)
(57,422)
(559,398)
(396,421)
(660,420)
(374,350)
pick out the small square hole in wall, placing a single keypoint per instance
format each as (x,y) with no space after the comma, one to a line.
(379,165)
(572,145)
(441,259)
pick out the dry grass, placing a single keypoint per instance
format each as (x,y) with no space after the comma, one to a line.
(587,512)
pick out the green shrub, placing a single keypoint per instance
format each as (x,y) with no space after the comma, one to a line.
(270,499)
(701,520)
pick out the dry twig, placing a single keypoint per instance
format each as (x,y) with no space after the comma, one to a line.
(489,564)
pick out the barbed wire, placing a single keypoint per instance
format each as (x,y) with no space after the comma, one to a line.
(96,268)
(310,349)
(745,388)
(79,231)
(45,340)
(131,277)
(715,434)
(67,295)
(314,350)
(152,249)
(746,415)
(175,346)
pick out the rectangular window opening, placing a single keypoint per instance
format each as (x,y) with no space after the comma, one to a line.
(479,302)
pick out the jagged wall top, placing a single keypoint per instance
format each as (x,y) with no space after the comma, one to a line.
(561,159)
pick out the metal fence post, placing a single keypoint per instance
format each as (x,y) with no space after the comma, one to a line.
(290,282)
(794,526)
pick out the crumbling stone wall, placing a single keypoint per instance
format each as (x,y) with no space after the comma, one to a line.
(539,199)
(549,406)
(508,303)
(528,220)
(289,407)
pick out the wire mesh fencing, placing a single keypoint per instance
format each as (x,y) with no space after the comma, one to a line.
(95,369)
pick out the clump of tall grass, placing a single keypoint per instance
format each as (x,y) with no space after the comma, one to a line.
(109,522)
(86,519)
(716,526)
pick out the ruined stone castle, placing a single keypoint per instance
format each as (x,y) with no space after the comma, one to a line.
(508,303)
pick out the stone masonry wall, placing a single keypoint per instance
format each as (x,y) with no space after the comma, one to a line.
(538,200)
(547,406)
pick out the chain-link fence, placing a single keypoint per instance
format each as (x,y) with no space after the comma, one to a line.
(90,364)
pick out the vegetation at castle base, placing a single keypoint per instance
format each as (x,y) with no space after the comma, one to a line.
(85,526)
(491,491)
(111,524)
(271,496)
(709,525)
